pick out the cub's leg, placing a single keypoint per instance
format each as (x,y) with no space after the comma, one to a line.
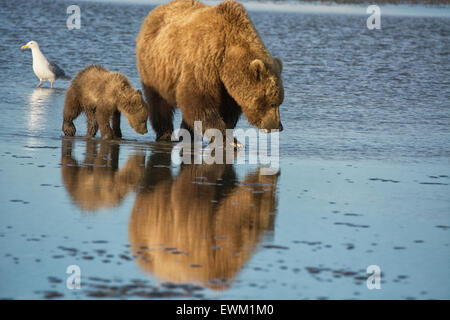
(92,125)
(103,118)
(160,114)
(72,110)
(66,153)
(91,153)
(116,124)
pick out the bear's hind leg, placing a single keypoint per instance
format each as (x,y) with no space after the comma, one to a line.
(72,110)
(92,125)
(160,114)
(103,118)
(116,124)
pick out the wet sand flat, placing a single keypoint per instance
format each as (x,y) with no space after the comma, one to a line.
(202,231)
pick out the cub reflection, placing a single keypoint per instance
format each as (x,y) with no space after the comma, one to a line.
(202,225)
(97,182)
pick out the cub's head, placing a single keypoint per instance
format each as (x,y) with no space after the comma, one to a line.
(138,114)
(266,94)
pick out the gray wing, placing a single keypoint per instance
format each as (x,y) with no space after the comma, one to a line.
(59,73)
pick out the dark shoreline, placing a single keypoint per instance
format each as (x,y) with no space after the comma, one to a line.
(368,2)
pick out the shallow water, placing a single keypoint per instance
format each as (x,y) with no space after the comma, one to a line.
(364,170)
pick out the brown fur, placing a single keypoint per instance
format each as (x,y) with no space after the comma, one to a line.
(211,63)
(98,182)
(103,95)
(212,225)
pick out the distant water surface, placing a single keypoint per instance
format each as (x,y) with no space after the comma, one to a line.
(350,92)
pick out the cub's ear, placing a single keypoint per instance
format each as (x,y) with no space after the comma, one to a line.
(278,64)
(139,92)
(257,67)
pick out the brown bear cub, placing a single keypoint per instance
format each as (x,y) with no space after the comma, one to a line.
(102,95)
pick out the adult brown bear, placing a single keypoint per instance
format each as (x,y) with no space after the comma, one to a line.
(210,62)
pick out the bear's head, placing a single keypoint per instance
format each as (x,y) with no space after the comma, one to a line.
(266,95)
(256,86)
(138,113)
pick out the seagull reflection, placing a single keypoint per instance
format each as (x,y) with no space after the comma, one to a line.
(97,182)
(39,99)
(202,225)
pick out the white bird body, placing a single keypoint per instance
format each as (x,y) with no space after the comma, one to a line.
(41,66)
(43,69)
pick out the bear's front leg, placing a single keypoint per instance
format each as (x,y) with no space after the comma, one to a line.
(218,124)
(200,107)
(230,113)
(116,124)
(103,124)
(185,126)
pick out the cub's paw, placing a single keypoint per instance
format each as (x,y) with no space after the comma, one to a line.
(69,129)
(107,136)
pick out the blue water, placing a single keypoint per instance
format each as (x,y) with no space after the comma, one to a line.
(364,169)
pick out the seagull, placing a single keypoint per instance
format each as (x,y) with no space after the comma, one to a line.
(45,70)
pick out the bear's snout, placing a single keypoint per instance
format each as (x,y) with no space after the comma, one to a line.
(280,127)
(271,121)
(140,127)
(143,130)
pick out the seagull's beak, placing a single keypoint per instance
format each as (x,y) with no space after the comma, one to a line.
(24,47)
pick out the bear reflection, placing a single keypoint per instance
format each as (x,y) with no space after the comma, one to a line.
(97,182)
(201,225)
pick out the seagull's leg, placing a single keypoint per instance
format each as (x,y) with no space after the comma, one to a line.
(51,84)
(40,83)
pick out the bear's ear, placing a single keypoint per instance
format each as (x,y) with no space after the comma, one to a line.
(257,67)
(139,92)
(231,10)
(278,64)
